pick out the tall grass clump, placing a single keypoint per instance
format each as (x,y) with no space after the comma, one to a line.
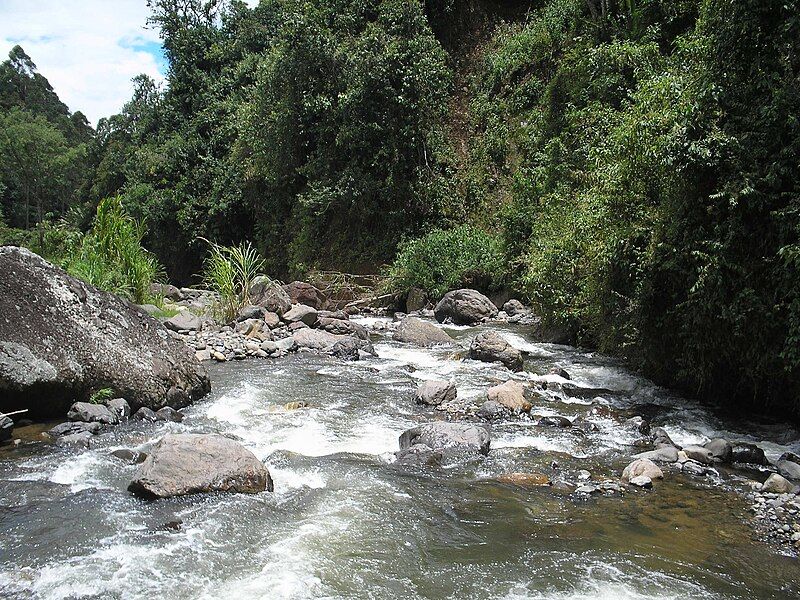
(443,260)
(230,271)
(111,256)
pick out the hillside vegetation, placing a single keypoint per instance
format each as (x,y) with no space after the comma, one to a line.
(630,167)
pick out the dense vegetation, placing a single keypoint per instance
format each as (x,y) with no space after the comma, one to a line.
(629,166)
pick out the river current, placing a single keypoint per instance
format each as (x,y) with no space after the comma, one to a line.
(345,522)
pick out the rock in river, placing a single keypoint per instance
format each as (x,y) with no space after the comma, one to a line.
(490,346)
(62,339)
(777,485)
(642,467)
(270,295)
(434,393)
(420,333)
(464,307)
(511,395)
(443,435)
(301,292)
(92,413)
(182,464)
(301,313)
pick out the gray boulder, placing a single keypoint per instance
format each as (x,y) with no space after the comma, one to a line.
(81,439)
(61,338)
(271,320)
(301,313)
(434,393)
(699,454)
(145,414)
(92,413)
(490,346)
(120,408)
(185,321)
(315,339)
(491,410)
(721,450)
(420,333)
(789,469)
(270,295)
(169,414)
(73,427)
(661,438)
(342,327)
(514,307)
(443,435)
(132,457)
(464,307)
(664,454)
(352,348)
(251,312)
(182,464)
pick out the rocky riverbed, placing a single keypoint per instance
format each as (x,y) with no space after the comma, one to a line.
(424,459)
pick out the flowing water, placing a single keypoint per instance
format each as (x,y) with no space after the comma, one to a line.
(344,522)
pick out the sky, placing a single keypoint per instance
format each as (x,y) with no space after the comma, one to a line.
(89,50)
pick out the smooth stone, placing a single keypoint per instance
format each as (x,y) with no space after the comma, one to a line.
(182,464)
(434,393)
(120,407)
(169,414)
(490,346)
(642,481)
(524,479)
(642,466)
(145,414)
(776,484)
(664,454)
(73,427)
(444,435)
(413,330)
(700,454)
(464,307)
(132,457)
(511,395)
(300,313)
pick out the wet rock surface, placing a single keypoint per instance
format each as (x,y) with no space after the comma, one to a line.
(68,339)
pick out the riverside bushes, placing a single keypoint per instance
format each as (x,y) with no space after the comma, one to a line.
(447,259)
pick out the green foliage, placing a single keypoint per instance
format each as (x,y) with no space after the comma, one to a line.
(444,260)
(102,396)
(229,271)
(111,256)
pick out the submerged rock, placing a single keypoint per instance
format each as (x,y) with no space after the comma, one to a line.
(464,307)
(420,333)
(61,339)
(642,467)
(73,427)
(169,414)
(789,469)
(661,438)
(443,435)
(182,464)
(510,395)
(524,479)
(132,457)
(434,393)
(490,346)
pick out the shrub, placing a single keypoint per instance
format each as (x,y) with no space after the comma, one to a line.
(111,256)
(447,259)
(229,271)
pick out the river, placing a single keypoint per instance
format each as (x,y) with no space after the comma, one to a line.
(344,522)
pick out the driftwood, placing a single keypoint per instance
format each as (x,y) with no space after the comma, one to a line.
(16,412)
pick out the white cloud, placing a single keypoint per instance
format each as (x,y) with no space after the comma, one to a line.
(89,50)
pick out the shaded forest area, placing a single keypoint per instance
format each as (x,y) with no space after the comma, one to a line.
(628,166)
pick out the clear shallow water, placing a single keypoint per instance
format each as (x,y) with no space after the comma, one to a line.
(344,522)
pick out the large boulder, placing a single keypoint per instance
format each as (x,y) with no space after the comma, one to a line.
(511,395)
(420,333)
(490,346)
(301,313)
(416,299)
(434,393)
(300,292)
(342,327)
(744,452)
(444,435)
(324,341)
(464,307)
(775,484)
(662,454)
(188,463)
(62,339)
(92,413)
(185,321)
(721,449)
(270,295)
(789,469)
